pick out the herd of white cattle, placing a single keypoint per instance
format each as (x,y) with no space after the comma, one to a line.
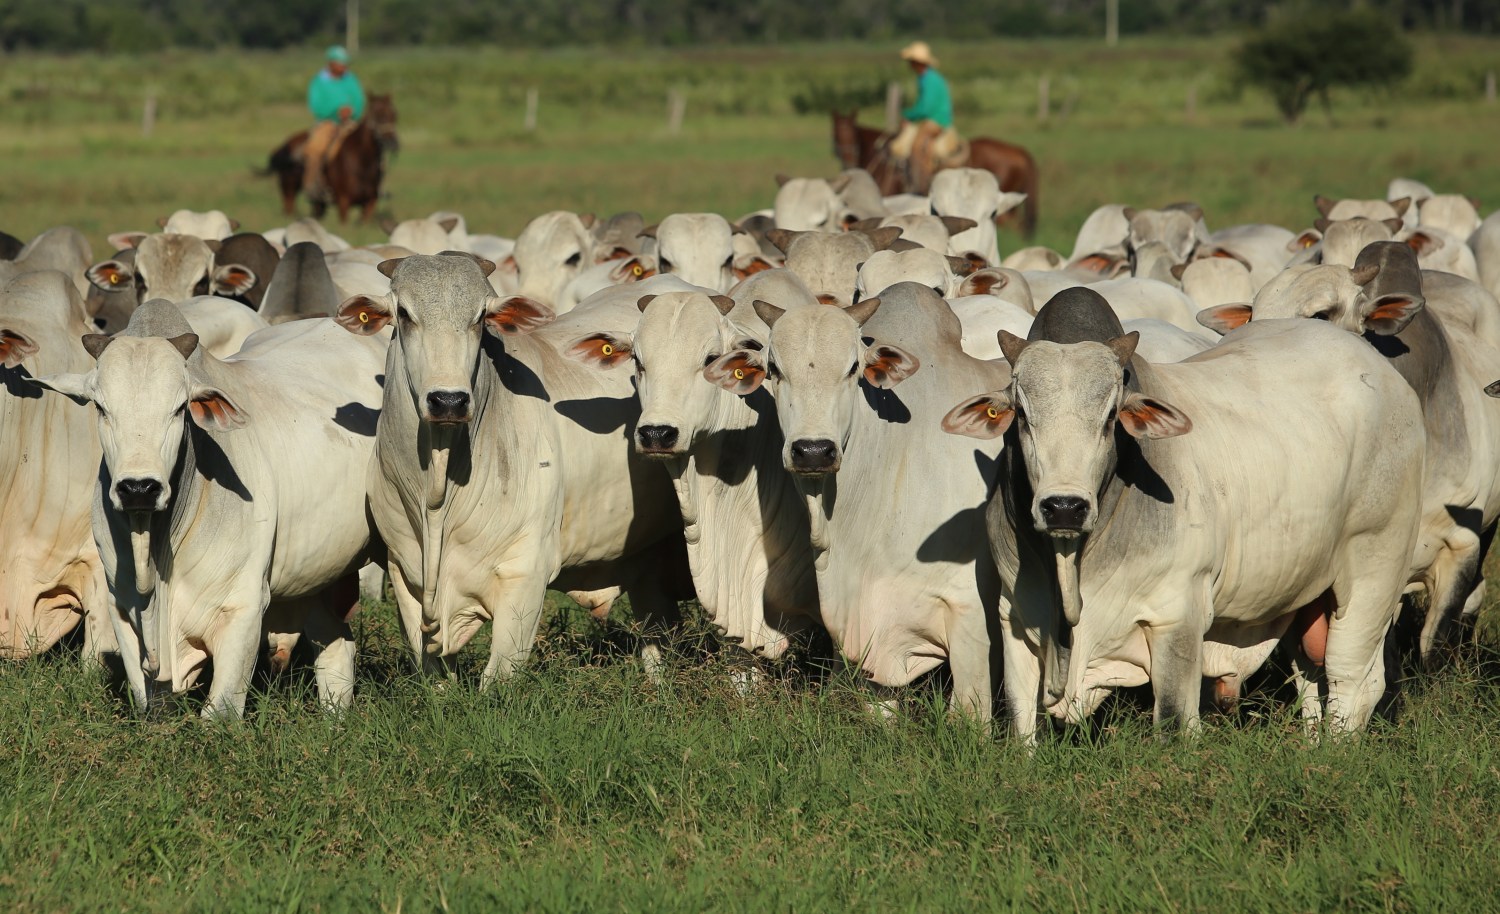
(1150,460)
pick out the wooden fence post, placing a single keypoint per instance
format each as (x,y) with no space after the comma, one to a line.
(676,108)
(148,113)
(1043,98)
(531,103)
(892,107)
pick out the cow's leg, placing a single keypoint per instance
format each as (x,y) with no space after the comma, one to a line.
(233,648)
(1307,676)
(132,658)
(413,623)
(333,665)
(969,658)
(343,204)
(1177,674)
(1355,659)
(1456,566)
(516,608)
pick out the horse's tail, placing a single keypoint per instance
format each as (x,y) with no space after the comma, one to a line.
(279,161)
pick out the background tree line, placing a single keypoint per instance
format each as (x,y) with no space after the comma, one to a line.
(124,26)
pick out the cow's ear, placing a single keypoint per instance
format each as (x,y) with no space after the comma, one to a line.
(508,266)
(1145,417)
(1388,315)
(1395,225)
(161,222)
(233,279)
(750,264)
(76,387)
(14,347)
(1401,206)
(1304,241)
(1325,205)
(213,411)
(1224,318)
(123,240)
(516,314)
(602,350)
(364,314)
(111,275)
(984,282)
(986,416)
(1100,262)
(740,371)
(234,225)
(886,365)
(1493,388)
(1424,243)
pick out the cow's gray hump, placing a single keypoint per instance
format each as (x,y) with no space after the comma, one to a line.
(1076,315)
(911,313)
(301,285)
(157,317)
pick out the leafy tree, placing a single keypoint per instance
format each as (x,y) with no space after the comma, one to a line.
(1306,54)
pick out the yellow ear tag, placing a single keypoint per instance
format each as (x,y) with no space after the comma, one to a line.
(1308,242)
(637,271)
(739,374)
(992,412)
(607,349)
(364,317)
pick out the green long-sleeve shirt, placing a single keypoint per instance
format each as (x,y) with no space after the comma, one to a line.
(327,94)
(934,103)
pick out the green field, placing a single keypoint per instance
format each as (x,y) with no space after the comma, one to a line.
(582,786)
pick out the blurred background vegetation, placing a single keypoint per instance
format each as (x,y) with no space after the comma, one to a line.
(122,27)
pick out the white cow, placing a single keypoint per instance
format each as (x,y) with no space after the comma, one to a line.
(896,532)
(1172,559)
(746,527)
(697,247)
(173,268)
(231,496)
(1446,364)
(973,193)
(49,458)
(552,249)
(810,204)
(469,423)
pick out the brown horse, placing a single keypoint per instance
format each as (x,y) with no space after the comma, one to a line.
(354,172)
(1012,165)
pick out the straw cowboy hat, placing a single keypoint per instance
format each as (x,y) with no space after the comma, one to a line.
(919,52)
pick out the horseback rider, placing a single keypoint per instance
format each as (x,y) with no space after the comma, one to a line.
(337,101)
(927,141)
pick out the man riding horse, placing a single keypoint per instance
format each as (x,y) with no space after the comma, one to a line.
(927,142)
(337,101)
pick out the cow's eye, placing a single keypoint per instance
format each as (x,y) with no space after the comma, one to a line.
(712,357)
(751,344)
(666,265)
(852,369)
(772,370)
(575,259)
(938,290)
(1323,316)
(403,315)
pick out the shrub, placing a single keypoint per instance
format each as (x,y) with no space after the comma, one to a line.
(1305,55)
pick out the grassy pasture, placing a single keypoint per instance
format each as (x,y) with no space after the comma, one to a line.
(583,787)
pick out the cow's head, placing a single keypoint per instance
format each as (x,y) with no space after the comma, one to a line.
(679,334)
(1065,400)
(145,394)
(697,247)
(1345,298)
(441,306)
(174,268)
(550,252)
(816,361)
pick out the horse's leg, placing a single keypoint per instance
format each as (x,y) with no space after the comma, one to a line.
(368,211)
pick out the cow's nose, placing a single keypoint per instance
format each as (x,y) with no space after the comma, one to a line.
(448,406)
(817,455)
(138,494)
(657,438)
(1064,512)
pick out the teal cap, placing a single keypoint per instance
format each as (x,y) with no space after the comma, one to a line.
(337,54)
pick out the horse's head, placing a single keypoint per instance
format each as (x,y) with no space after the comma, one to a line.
(846,138)
(382,118)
